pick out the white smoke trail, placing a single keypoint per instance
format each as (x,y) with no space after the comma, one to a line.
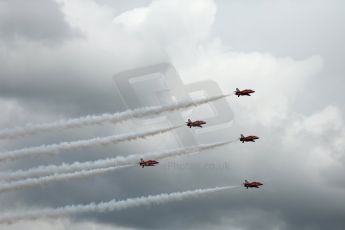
(57,148)
(104,163)
(109,206)
(30,182)
(104,118)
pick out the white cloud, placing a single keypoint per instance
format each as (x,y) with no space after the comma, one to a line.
(172,25)
(328,121)
(132,20)
(170,21)
(318,140)
(184,30)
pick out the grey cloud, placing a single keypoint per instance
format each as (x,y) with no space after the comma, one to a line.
(35,20)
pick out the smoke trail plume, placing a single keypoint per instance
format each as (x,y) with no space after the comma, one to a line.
(104,118)
(57,148)
(104,163)
(109,206)
(30,182)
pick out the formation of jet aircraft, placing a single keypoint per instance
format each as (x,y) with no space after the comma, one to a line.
(200,123)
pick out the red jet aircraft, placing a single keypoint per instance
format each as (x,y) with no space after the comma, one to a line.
(245,92)
(253,184)
(147,163)
(191,124)
(248,138)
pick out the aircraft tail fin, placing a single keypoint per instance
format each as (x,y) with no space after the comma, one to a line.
(189,120)
(246,181)
(237,90)
(242,136)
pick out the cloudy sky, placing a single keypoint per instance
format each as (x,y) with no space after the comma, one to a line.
(58,59)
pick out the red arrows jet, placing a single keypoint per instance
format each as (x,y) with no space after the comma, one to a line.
(253,184)
(245,92)
(248,138)
(147,163)
(191,124)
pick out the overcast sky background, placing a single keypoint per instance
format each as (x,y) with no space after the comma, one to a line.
(57,59)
